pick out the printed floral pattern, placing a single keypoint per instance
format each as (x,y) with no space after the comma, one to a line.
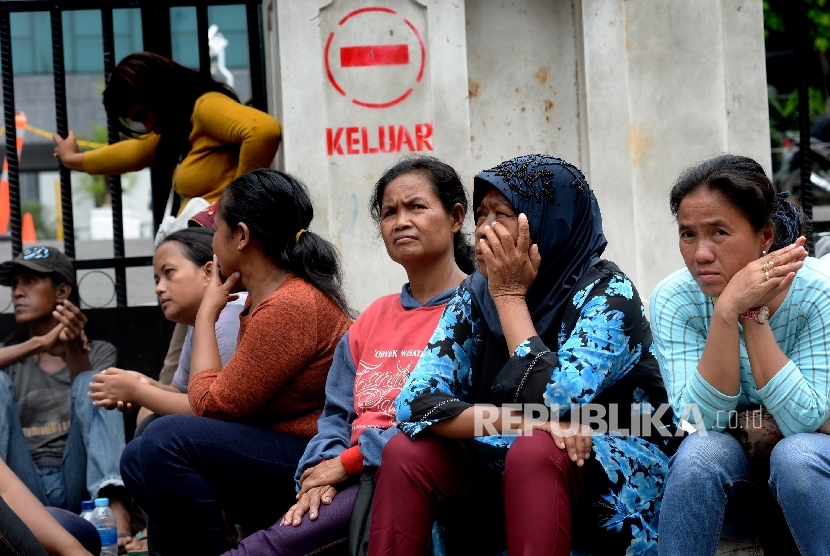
(602,339)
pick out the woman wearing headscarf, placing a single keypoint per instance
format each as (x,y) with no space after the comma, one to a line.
(546,321)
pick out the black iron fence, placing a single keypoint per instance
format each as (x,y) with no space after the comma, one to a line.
(803,48)
(156,34)
(122,325)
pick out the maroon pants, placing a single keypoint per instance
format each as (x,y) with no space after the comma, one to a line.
(431,477)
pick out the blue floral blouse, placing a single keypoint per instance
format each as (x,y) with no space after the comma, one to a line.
(601,354)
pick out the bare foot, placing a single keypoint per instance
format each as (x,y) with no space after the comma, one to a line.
(122,518)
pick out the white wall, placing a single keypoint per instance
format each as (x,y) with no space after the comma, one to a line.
(312,107)
(521,60)
(632,91)
(667,84)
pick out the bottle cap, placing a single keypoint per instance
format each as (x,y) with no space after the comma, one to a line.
(101,502)
(87,505)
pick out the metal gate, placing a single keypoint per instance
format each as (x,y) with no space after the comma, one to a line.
(140,333)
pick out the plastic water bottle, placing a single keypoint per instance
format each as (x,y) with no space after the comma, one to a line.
(86,509)
(104,520)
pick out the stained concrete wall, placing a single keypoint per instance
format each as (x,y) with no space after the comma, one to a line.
(667,84)
(340,110)
(632,91)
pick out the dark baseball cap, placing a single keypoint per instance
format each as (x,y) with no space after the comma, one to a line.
(43,260)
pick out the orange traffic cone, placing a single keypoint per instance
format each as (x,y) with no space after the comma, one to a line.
(5,211)
(29,235)
(20,123)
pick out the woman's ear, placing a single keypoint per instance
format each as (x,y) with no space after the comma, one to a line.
(207,270)
(244,236)
(767,235)
(458,214)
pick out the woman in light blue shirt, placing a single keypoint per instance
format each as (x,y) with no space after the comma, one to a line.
(743,326)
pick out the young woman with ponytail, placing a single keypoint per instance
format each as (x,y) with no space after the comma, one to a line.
(419,205)
(254,416)
(182,122)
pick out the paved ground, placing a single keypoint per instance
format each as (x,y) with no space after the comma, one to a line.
(97,287)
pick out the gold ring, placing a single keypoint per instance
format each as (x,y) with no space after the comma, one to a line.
(766,275)
(768,265)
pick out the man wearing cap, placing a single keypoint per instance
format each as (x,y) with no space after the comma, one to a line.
(60,445)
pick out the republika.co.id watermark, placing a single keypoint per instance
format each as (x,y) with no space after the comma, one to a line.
(613,419)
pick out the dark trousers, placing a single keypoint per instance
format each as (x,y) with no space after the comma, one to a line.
(84,531)
(186,470)
(325,535)
(17,540)
(430,477)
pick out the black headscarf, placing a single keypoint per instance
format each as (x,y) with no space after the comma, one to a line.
(565,222)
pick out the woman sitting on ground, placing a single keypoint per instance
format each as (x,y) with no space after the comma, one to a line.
(545,322)
(254,416)
(419,205)
(182,267)
(764,342)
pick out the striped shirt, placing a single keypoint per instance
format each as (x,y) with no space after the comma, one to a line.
(797,396)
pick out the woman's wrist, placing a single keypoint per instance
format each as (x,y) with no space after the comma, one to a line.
(515,319)
(727,312)
(73,161)
(758,314)
(205,318)
(509,300)
(516,295)
(140,392)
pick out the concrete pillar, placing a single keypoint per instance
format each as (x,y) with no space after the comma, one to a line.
(360,85)
(523,80)
(631,91)
(666,84)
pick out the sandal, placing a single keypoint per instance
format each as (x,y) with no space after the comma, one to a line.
(139,537)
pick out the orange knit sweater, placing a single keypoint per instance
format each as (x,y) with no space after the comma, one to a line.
(277,376)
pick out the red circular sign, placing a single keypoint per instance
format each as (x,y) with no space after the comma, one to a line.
(354,68)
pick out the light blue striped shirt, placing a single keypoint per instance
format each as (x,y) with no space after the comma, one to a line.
(797,396)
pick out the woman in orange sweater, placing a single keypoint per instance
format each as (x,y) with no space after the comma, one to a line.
(180,120)
(254,416)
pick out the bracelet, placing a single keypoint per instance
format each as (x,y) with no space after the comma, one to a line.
(758,314)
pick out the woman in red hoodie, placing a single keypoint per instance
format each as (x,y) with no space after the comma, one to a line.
(419,205)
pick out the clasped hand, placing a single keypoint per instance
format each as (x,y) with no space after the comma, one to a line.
(114,388)
(69,330)
(316,487)
(752,287)
(511,266)
(573,437)
(73,321)
(64,147)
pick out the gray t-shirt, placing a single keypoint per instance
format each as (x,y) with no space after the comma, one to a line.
(227,332)
(44,402)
